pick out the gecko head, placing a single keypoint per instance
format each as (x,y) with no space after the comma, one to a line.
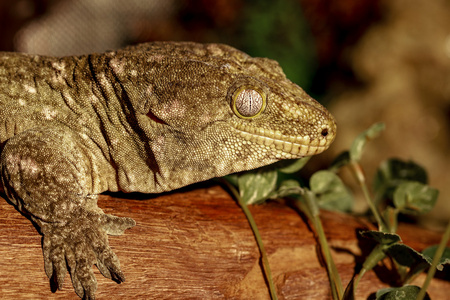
(278,115)
(211,105)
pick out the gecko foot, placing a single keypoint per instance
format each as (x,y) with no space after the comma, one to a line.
(80,243)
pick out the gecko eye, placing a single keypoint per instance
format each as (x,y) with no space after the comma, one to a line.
(248,102)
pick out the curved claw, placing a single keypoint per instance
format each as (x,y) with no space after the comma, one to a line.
(110,268)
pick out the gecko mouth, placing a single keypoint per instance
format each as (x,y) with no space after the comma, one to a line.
(296,146)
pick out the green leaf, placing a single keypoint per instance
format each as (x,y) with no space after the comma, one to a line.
(324,181)
(292,166)
(381,292)
(407,256)
(425,261)
(393,172)
(330,191)
(382,238)
(415,198)
(287,187)
(401,293)
(358,144)
(255,186)
(445,258)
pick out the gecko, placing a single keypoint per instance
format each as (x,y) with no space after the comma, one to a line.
(147,118)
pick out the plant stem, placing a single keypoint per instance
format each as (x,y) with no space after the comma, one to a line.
(358,278)
(312,211)
(265,260)
(436,259)
(360,178)
(376,255)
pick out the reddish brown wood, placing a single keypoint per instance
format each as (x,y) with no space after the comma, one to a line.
(197,244)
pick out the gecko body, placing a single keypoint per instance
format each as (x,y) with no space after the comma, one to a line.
(148,118)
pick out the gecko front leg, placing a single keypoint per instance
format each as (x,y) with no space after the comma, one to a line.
(47,175)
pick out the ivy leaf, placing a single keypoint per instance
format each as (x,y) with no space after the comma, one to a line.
(415,198)
(382,238)
(358,144)
(287,187)
(407,256)
(255,186)
(393,172)
(330,191)
(445,258)
(292,166)
(389,244)
(401,293)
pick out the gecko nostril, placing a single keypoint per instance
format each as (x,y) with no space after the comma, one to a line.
(324,132)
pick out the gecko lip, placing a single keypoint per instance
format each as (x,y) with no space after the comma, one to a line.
(296,146)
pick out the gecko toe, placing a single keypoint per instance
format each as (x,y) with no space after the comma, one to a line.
(108,263)
(116,225)
(79,244)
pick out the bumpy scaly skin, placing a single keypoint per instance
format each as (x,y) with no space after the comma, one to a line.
(148,118)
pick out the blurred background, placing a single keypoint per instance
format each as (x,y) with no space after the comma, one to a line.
(367,61)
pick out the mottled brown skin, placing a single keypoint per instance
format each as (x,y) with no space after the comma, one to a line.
(148,118)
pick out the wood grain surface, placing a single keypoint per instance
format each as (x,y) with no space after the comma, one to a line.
(196,244)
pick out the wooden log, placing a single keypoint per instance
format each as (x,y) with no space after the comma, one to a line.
(196,244)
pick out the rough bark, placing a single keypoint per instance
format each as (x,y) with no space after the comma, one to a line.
(196,243)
